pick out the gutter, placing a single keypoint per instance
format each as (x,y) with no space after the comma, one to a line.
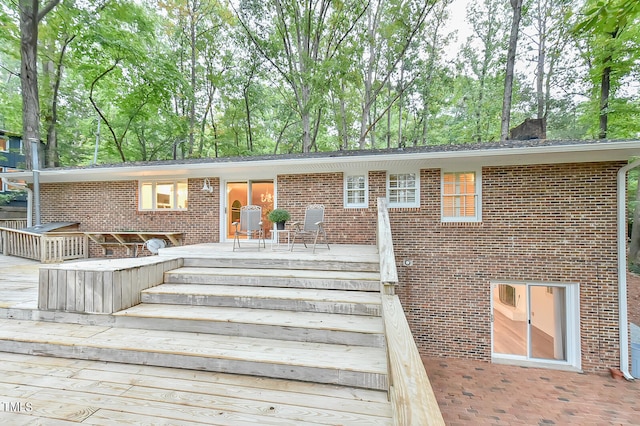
(623,319)
(23,187)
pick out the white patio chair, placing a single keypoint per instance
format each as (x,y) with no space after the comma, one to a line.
(312,227)
(249,225)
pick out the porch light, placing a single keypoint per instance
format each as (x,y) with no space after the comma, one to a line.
(207,186)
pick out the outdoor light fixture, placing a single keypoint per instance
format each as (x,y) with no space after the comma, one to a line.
(207,186)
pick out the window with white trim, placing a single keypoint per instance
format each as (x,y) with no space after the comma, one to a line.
(163,195)
(356,191)
(402,189)
(460,199)
(4,145)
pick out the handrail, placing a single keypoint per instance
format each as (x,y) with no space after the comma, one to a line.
(412,399)
(388,269)
(45,248)
(13,223)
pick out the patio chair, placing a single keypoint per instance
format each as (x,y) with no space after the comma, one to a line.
(312,227)
(249,225)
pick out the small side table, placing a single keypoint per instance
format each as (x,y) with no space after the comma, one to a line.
(278,237)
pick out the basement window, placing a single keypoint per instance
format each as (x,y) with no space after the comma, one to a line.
(163,195)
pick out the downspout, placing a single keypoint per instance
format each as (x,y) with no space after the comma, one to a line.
(622,269)
(22,187)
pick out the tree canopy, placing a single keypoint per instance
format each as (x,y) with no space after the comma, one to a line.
(137,80)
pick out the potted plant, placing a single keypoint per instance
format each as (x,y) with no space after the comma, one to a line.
(279,217)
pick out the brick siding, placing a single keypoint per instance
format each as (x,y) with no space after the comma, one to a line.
(542,223)
(113,206)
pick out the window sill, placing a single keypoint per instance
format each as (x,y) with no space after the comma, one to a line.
(462,224)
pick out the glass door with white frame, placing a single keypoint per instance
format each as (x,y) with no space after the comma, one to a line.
(244,193)
(535,322)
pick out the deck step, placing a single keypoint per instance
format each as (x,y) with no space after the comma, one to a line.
(356,330)
(290,278)
(289,299)
(355,264)
(356,366)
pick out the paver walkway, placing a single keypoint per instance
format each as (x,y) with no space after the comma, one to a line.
(480,393)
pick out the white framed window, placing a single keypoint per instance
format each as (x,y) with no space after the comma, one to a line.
(163,195)
(4,145)
(461,196)
(356,191)
(403,189)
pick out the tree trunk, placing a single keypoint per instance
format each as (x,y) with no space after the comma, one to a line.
(605,86)
(540,94)
(29,76)
(192,100)
(53,156)
(511,59)
(245,93)
(30,16)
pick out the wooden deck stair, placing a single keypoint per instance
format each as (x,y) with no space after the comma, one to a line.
(316,321)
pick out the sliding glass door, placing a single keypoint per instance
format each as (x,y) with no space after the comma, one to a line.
(243,193)
(535,322)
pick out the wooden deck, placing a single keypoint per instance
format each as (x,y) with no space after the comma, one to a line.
(79,388)
(70,391)
(66,391)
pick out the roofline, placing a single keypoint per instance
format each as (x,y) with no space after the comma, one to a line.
(270,166)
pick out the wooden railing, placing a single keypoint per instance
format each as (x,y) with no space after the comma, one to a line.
(13,223)
(412,398)
(388,270)
(45,248)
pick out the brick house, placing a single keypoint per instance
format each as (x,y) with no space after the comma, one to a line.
(507,252)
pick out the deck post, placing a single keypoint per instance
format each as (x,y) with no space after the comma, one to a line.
(388,269)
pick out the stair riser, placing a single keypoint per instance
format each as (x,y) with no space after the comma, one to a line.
(314,283)
(262,303)
(316,265)
(222,365)
(225,328)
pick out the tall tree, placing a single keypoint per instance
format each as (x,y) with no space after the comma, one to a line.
(516,5)
(610,23)
(481,58)
(30,16)
(300,40)
(391,29)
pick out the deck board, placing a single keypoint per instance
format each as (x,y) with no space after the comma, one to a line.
(106,393)
(307,320)
(279,352)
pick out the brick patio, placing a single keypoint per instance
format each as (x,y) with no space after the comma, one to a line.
(479,393)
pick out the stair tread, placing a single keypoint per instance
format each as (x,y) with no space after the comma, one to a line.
(249,349)
(280,273)
(316,295)
(293,319)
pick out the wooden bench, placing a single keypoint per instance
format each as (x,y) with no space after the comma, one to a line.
(132,240)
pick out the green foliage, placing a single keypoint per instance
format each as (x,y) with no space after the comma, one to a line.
(198,79)
(278,215)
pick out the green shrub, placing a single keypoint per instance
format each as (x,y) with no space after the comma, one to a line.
(278,215)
